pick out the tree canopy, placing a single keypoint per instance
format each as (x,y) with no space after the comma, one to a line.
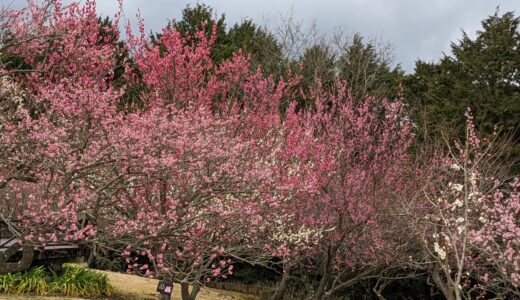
(481,73)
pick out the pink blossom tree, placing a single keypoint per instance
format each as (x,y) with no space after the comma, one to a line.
(175,180)
(219,165)
(348,161)
(55,148)
(210,169)
(465,220)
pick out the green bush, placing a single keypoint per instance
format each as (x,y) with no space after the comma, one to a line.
(74,282)
(79,282)
(31,282)
(7,282)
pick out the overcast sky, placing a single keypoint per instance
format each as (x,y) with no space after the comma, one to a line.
(416,28)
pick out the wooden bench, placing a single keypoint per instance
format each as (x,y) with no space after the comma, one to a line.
(17,257)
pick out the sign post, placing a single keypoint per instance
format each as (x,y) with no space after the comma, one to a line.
(165,289)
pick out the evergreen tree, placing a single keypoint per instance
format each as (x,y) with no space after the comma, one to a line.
(318,62)
(367,70)
(482,73)
(260,44)
(203,17)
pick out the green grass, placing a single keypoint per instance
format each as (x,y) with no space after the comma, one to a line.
(31,282)
(74,282)
(79,282)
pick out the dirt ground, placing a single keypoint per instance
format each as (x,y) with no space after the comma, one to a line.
(133,287)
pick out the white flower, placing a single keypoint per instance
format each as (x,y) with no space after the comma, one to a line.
(482,219)
(460,229)
(457,187)
(455,167)
(439,251)
(456,204)
(473,178)
(435,236)
(460,220)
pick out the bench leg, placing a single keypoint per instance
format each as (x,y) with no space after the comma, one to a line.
(21,265)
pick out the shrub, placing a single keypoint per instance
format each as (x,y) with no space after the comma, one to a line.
(31,282)
(79,282)
(7,282)
(74,281)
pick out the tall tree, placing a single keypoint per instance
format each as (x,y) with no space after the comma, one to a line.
(259,43)
(202,17)
(367,69)
(318,63)
(483,73)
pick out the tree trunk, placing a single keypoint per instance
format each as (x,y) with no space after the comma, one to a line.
(440,284)
(195,291)
(280,291)
(320,293)
(185,291)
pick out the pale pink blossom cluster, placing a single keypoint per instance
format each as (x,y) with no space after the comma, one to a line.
(471,229)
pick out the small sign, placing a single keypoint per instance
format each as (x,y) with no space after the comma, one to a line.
(165,288)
